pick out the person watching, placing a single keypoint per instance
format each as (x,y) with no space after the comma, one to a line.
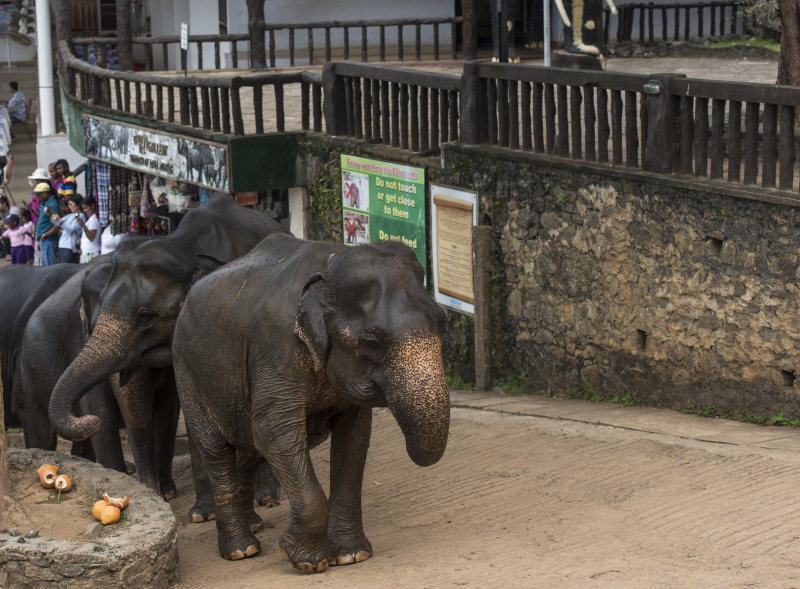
(70,230)
(46,232)
(90,240)
(17,106)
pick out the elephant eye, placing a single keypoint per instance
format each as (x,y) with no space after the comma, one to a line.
(371,346)
(146,319)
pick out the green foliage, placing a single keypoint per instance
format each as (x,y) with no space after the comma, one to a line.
(519,385)
(747,417)
(754,42)
(13,430)
(587,392)
(457,383)
(561,199)
(709,411)
(723,215)
(326,191)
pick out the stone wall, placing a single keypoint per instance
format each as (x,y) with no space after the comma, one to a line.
(143,553)
(674,296)
(639,287)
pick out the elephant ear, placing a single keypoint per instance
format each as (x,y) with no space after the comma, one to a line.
(204,265)
(309,325)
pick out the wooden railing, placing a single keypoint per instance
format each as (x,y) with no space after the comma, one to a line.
(103,43)
(542,109)
(364,26)
(761,115)
(371,102)
(218,107)
(722,16)
(202,42)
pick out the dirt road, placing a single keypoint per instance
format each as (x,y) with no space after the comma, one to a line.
(532,502)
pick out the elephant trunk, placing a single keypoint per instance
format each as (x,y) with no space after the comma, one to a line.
(102,356)
(419,397)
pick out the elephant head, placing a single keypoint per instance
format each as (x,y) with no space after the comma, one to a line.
(129,325)
(140,303)
(369,324)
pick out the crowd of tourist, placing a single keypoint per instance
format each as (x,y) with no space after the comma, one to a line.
(59,226)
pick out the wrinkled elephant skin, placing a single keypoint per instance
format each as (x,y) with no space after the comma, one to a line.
(132,329)
(313,336)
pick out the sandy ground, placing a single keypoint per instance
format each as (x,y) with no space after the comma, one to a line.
(521,501)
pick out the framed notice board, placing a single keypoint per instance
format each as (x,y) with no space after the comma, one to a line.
(454,211)
(383,201)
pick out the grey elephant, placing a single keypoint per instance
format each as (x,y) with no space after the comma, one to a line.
(583,20)
(313,336)
(131,332)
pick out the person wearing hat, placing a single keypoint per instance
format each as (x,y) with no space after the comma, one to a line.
(40,175)
(46,232)
(16,233)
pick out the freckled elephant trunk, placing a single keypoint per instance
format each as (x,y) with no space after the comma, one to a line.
(419,398)
(102,356)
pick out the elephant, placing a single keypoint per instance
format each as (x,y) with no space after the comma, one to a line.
(133,327)
(22,290)
(583,20)
(55,335)
(313,336)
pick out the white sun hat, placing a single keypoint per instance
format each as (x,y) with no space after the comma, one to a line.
(39,175)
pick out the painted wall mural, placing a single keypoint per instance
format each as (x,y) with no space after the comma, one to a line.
(157,153)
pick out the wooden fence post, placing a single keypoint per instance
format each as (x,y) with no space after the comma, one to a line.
(335,103)
(469,103)
(662,146)
(255,26)
(483,245)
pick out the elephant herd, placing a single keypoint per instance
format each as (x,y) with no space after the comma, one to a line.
(269,343)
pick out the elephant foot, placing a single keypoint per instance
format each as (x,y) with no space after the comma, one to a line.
(306,557)
(244,547)
(202,512)
(256,523)
(265,502)
(349,552)
(168,491)
(130,467)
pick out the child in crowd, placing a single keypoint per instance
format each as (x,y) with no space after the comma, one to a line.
(90,240)
(30,231)
(15,233)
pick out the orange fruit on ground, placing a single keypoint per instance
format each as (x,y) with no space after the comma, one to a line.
(63,483)
(109,515)
(97,509)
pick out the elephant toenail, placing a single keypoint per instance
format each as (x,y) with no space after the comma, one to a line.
(285,556)
(305,567)
(237,555)
(170,495)
(331,561)
(345,559)
(322,566)
(197,518)
(362,555)
(252,549)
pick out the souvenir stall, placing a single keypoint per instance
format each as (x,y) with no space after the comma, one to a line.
(145,181)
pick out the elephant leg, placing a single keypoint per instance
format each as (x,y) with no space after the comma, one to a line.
(106,443)
(349,445)
(84,449)
(235,538)
(283,438)
(136,403)
(267,487)
(166,413)
(203,508)
(247,470)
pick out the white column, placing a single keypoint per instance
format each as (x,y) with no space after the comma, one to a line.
(47,113)
(546,33)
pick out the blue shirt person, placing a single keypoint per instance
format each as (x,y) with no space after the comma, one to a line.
(46,232)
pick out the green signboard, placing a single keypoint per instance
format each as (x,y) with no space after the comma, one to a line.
(383,201)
